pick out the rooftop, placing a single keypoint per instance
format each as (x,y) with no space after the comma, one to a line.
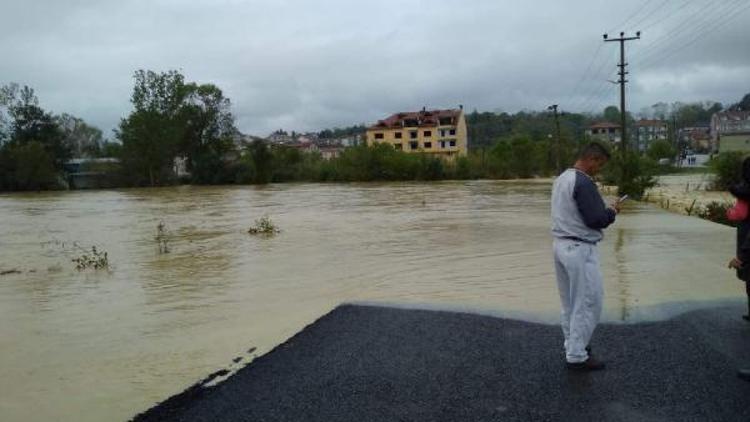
(604,125)
(650,122)
(424,118)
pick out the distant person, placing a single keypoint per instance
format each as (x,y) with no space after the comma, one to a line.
(739,214)
(578,217)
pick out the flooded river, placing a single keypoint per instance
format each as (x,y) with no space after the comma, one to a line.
(104,345)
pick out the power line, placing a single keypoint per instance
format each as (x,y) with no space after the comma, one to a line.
(697,30)
(670,16)
(649,15)
(585,72)
(593,92)
(724,19)
(621,25)
(600,88)
(674,33)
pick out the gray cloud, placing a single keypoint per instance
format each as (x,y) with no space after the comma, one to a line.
(308,65)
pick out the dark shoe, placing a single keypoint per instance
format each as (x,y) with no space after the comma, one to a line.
(744,374)
(746,317)
(589,364)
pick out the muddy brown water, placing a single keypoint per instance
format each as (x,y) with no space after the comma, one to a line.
(104,345)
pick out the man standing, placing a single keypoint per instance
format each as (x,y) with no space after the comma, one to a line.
(578,217)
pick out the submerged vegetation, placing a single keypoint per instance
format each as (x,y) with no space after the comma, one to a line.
(264,226)
(162,237)
(93,259)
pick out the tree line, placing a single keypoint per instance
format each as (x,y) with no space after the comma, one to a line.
(172,118)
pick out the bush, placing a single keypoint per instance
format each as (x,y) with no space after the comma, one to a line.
(639,174)
(728,169)
(716,212)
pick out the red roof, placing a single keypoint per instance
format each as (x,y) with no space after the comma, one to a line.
(650,122)
(604,125)
(424,118)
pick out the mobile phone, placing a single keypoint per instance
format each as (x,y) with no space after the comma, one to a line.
(622,198)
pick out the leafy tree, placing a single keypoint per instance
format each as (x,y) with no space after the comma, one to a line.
(173,118)
(728,169)
(29,167)
(660,149)
(261,161)
(612,114)
(209,128)
(30,123)
(149,145)
(82,139)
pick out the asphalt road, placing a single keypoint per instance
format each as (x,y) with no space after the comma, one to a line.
(361,363)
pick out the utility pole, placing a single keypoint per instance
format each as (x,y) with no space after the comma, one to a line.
(624,140)
(558,150)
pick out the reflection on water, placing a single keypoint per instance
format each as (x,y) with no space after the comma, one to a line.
(105,345)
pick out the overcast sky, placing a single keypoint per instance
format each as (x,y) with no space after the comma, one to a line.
(308,65)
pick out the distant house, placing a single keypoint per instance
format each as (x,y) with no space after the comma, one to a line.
(280,137)
(329,153)
(304,146)
(437,132)
(647,131)
(696,138)
(730,131)
(90,173)
(350,141)
(605,132)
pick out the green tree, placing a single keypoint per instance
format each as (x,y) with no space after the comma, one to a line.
(209,129)
(728,169)
(30,167)
(81,138)
(660,149)
(149,145)
(262,161)
(612,114)
(172,118)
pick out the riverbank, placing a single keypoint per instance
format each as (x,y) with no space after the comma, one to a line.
(374,363)
(684,194)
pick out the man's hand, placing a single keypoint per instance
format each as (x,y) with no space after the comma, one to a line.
(735,263)
(616,206)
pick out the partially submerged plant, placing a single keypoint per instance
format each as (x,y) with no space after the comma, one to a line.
(95,259)
(162,237)
(691,208)
(264,225)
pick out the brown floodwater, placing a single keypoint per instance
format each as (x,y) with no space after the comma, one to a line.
(104,345)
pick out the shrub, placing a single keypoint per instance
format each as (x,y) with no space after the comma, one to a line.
(631,176)
(728,169)
(716,212)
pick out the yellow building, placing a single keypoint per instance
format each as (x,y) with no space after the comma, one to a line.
(439,132)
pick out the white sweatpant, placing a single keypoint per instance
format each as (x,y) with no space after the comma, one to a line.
(579,281)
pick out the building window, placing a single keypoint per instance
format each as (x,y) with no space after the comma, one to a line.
(413,145)
(442,144)
(397,146)
(453,131)
(413,134)
(428,144)
(378,136)
(427,133)
(398,135)
(453,143)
